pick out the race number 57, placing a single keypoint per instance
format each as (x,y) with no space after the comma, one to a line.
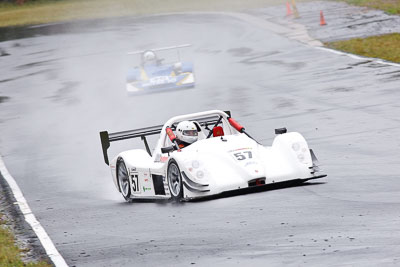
(243,155)
(135,183)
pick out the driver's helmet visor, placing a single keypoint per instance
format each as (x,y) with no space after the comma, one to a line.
(190,132)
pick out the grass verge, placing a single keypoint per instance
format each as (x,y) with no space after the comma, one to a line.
(47,11)
(382,46)
(389,6)
(10,254)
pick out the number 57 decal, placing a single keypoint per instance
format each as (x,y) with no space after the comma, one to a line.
(243,155)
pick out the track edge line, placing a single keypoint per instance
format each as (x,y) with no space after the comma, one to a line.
(30,218)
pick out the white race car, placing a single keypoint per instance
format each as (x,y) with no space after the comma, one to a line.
(224,160)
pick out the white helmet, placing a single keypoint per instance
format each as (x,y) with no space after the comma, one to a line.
(186,131)
(149,56)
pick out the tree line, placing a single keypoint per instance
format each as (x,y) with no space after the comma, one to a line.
(18,2)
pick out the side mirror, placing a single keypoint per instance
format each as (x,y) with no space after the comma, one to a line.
(167,149)
(280,130)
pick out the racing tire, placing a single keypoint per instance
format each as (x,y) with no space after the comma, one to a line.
(123,180)
(174,179)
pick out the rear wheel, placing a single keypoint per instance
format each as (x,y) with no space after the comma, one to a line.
(123,180)
(174,180)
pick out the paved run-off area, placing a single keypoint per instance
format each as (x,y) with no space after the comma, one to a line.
(342,21)
(63,88)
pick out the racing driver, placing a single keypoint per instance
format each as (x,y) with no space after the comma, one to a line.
(186,133)
(150,58)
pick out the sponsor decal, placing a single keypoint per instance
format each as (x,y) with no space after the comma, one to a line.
(133,169)
(146,189)
(158,80)
(146,180)
(251,163)
(244,148)
(163,159)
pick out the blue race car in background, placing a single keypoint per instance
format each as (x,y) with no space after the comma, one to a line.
(155,76)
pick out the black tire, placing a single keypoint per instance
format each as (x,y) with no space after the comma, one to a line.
(174,179)
(123,180)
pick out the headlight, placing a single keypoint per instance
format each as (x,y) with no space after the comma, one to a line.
(300,149)
(199,174)
(195,164)
(296,146)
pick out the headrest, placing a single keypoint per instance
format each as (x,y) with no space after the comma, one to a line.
(218,131)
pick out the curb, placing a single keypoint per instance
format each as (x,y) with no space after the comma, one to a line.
(24,211)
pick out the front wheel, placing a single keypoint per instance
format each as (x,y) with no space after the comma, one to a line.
(123,180)
(174,180)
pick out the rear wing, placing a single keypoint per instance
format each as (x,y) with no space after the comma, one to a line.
(159,49)
(106,137)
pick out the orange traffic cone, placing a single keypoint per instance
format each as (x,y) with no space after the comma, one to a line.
(321,19)
(295,11)
(288,9)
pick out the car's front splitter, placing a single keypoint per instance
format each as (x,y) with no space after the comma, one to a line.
(255,189)
(168,88)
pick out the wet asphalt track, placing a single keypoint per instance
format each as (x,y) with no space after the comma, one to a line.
(64,88)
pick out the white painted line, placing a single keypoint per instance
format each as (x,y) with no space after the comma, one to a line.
(30,218)
(380,61)
(341,53)
(376,60)
(299,32)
